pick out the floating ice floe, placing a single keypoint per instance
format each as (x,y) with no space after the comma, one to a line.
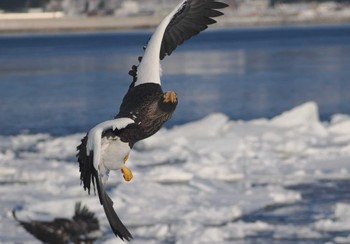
(192,183)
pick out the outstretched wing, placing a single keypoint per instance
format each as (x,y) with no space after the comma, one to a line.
(89,174)
(89,163)
(89,151)
(86,219)
(45,231)
(93,143)
(116,224)
(191,18)
(188,19)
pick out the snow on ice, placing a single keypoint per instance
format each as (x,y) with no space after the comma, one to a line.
(192,183)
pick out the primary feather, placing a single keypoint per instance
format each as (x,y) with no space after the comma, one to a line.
(188,19)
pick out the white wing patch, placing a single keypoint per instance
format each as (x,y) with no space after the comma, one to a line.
(149,70)
(95,134)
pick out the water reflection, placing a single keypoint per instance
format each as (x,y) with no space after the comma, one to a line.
(207,62)
(260,82)
(68,83)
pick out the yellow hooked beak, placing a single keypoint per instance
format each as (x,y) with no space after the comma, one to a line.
(170,96)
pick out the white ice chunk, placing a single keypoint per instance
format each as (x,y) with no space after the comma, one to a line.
(305,116)
(341,221)
(168,174)
(194,179)
(341,127)
(340,239)
(285,197)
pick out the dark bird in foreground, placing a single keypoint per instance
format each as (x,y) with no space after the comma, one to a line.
(145,106)
(82,228)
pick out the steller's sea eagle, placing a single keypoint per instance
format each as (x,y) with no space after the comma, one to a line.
(144,108)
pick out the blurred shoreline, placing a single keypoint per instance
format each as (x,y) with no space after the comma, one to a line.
(76,24)
(86,24)
(55,22)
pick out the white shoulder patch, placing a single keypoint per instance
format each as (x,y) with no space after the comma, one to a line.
(149,70)
(95,134)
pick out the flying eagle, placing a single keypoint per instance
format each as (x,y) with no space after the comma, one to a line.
(82,228)
(144,108)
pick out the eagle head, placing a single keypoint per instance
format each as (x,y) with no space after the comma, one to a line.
(168,101)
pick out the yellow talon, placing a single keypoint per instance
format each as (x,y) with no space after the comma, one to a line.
(126,158)
(127,174)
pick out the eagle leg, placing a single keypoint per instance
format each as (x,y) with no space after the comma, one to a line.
(127,174)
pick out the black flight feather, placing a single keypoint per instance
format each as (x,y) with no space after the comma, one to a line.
(89,174)
(193,17)
(86,166)
(117,226)
(63,230)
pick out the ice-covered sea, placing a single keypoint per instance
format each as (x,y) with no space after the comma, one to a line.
(214,180)
(217,173)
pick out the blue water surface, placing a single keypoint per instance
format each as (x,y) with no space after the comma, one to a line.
(67,83)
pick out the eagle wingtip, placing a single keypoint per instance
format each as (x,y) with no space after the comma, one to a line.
(218,5)
(115,223)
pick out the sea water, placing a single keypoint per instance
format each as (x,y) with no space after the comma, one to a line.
(258,150)
(65,83)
